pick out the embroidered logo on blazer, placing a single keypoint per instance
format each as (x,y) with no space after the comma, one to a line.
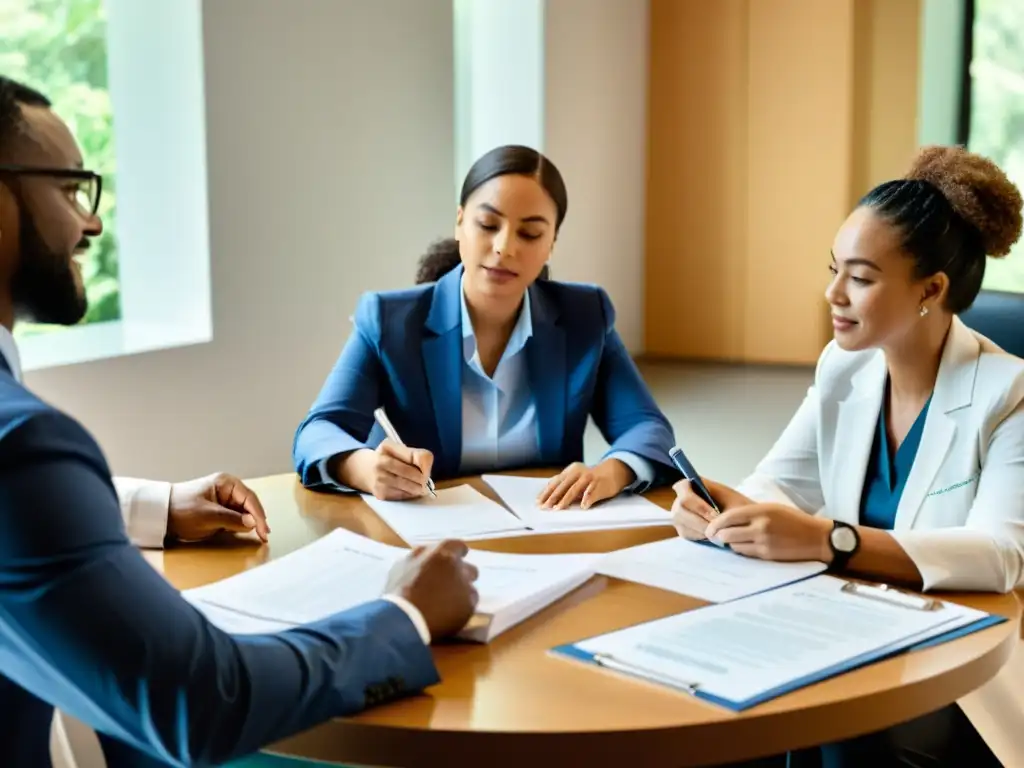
(953,487)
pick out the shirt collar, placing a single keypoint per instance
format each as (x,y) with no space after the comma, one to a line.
(9,351)
(521,333)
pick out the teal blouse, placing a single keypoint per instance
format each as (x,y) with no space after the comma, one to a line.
(887,473)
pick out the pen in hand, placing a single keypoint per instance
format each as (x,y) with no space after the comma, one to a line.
(683,465)
(389,430)
(696,484)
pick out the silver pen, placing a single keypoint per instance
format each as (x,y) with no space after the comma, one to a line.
(389,430)
(608,661)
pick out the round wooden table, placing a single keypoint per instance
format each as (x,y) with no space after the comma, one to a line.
(511,703)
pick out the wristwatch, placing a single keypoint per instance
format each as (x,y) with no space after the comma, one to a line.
(844,541)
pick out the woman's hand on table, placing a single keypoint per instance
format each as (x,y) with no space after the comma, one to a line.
(586,485)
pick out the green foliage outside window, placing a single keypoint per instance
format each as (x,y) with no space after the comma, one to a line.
(59,47)
(997,111)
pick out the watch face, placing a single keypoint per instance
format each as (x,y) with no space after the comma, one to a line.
(844,539)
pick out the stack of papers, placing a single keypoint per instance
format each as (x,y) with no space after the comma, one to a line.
(342,570)
(702,570)
(461,512)
(742,653)
(625,511)
(514,587)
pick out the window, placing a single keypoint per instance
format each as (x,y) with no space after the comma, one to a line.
(485,84)
(133,71)
(992,122)
(60,48)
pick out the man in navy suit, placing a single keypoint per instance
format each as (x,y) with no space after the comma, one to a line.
(85,624)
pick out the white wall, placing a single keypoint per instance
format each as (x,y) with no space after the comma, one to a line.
(596,133)
(330,140)
(330,153)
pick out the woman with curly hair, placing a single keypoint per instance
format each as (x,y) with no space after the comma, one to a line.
(486,364)
(905,462)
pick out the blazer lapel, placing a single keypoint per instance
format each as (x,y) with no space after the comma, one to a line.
(442,360)
(954,389)
(545,360)
(856,426)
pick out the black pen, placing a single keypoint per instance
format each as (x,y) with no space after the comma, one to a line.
(683,465)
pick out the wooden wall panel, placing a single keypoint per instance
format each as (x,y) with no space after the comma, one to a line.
(767,120)
(697,118)
(800,109)
(886,114)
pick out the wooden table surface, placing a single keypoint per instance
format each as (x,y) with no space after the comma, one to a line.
(512,703)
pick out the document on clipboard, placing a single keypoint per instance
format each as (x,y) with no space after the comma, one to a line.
(751,650)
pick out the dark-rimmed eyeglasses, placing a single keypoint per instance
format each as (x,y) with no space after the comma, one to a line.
(84,187)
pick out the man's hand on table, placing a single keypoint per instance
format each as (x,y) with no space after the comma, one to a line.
(205,506)
(439,583)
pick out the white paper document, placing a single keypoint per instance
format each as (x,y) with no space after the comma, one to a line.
(625,511)
(461,512)
(701,570)
(741,653)
(335,572)
(236,623)
(514,587)
(343,569)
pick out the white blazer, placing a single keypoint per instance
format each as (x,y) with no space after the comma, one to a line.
(961,515)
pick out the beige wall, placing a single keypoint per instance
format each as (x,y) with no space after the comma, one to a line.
(329,136)
(799,143)
(887,102)
(768,119)
(596,132)
(697,179)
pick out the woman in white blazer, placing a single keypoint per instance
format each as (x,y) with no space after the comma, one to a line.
(905,461)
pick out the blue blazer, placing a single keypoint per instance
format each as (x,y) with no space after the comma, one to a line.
(406,354)
(88,626)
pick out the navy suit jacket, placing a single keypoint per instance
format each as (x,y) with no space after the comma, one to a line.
(88,626)
(405,354)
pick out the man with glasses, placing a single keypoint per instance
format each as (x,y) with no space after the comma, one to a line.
(85,624)
(48,207)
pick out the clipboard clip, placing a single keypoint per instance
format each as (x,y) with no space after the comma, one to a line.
(608,661)
(886,594)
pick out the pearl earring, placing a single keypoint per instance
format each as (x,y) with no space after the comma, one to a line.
(924,310)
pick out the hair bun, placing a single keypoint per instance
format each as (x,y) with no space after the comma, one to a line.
(977,189)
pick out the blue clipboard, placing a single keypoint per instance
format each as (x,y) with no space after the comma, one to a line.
(693,688)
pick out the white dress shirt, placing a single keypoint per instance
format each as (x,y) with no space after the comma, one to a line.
(145,504)
(499,413)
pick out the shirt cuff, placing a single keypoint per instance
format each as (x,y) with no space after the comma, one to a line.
(641,468)
(326,479)
(145,506)
(414,616)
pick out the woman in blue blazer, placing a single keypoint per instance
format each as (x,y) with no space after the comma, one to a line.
(489,367)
